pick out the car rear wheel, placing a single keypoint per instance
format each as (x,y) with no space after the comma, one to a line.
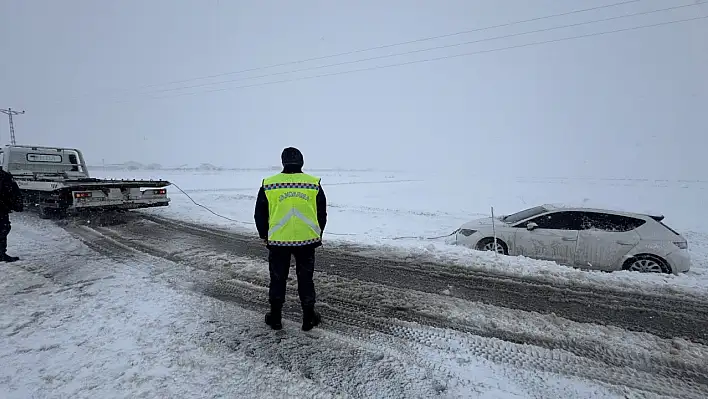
(487,244)
(647,264)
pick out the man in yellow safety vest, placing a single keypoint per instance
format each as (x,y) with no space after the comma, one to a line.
(290,215)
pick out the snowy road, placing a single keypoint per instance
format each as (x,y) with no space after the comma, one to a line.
(392,329)
(660,315)
(359,293)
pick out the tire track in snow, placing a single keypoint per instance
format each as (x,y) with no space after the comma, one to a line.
(339,295)
(51,270)
(358,356)
(359,253)
(386,372)
(663,316)
(494,350)
(360,314)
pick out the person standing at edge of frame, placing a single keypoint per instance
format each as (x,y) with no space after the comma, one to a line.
(290,215)
(10,200)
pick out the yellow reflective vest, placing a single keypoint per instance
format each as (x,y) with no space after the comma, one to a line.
(292,209)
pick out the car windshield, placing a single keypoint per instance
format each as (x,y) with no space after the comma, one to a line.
(525,214)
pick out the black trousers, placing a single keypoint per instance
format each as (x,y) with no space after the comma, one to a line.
(279,265)
(5,228)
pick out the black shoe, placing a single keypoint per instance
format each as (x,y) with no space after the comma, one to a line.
(274,319)
(8,258)
(310,319)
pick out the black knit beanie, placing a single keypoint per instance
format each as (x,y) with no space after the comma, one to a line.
(291,156)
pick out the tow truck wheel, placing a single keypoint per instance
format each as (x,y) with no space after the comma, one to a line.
(44,212)
(51,213)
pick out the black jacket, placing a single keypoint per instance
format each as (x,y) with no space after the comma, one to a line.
(10,194)
(261,214)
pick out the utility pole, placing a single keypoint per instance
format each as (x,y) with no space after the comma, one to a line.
(9,112)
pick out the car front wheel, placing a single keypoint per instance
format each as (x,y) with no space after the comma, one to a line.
(487,244)
(647,264)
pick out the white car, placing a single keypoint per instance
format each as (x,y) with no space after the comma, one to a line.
(584,238)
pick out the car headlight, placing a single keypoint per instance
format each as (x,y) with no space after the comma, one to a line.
(681,244)
(467,232)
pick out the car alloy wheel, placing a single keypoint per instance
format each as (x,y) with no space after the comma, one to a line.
(645,266)
(490,247)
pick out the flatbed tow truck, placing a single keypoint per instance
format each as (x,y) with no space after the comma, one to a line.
(56,182)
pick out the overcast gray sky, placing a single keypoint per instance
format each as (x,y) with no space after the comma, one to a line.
(630,104)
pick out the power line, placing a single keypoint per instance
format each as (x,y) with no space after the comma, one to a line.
(429,38)
(402,43)
(430,59)
(10,112)
(417,51)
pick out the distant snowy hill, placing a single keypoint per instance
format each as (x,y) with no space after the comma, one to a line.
(133,165)
(130,165)
(208,167)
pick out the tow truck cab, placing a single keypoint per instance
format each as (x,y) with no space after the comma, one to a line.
(31,161)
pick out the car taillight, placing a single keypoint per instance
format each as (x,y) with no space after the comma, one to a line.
(681,244)
(467,232)
(84,194)
(160,191)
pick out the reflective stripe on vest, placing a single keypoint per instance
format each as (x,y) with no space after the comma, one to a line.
(292,203)
(294,213)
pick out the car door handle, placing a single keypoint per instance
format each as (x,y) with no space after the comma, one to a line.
(620,242)
(570,239)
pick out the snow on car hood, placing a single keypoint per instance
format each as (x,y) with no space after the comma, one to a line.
(482,223)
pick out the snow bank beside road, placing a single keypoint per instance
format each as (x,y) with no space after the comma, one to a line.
(693,284)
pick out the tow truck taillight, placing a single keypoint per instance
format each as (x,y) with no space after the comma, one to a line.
(159,191)
(83,194)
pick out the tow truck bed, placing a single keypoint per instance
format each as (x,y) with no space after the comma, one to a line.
(88,184)
(56,182)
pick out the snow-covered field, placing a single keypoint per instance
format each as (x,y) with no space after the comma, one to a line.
(390,209)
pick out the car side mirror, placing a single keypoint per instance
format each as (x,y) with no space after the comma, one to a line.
(530,226)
